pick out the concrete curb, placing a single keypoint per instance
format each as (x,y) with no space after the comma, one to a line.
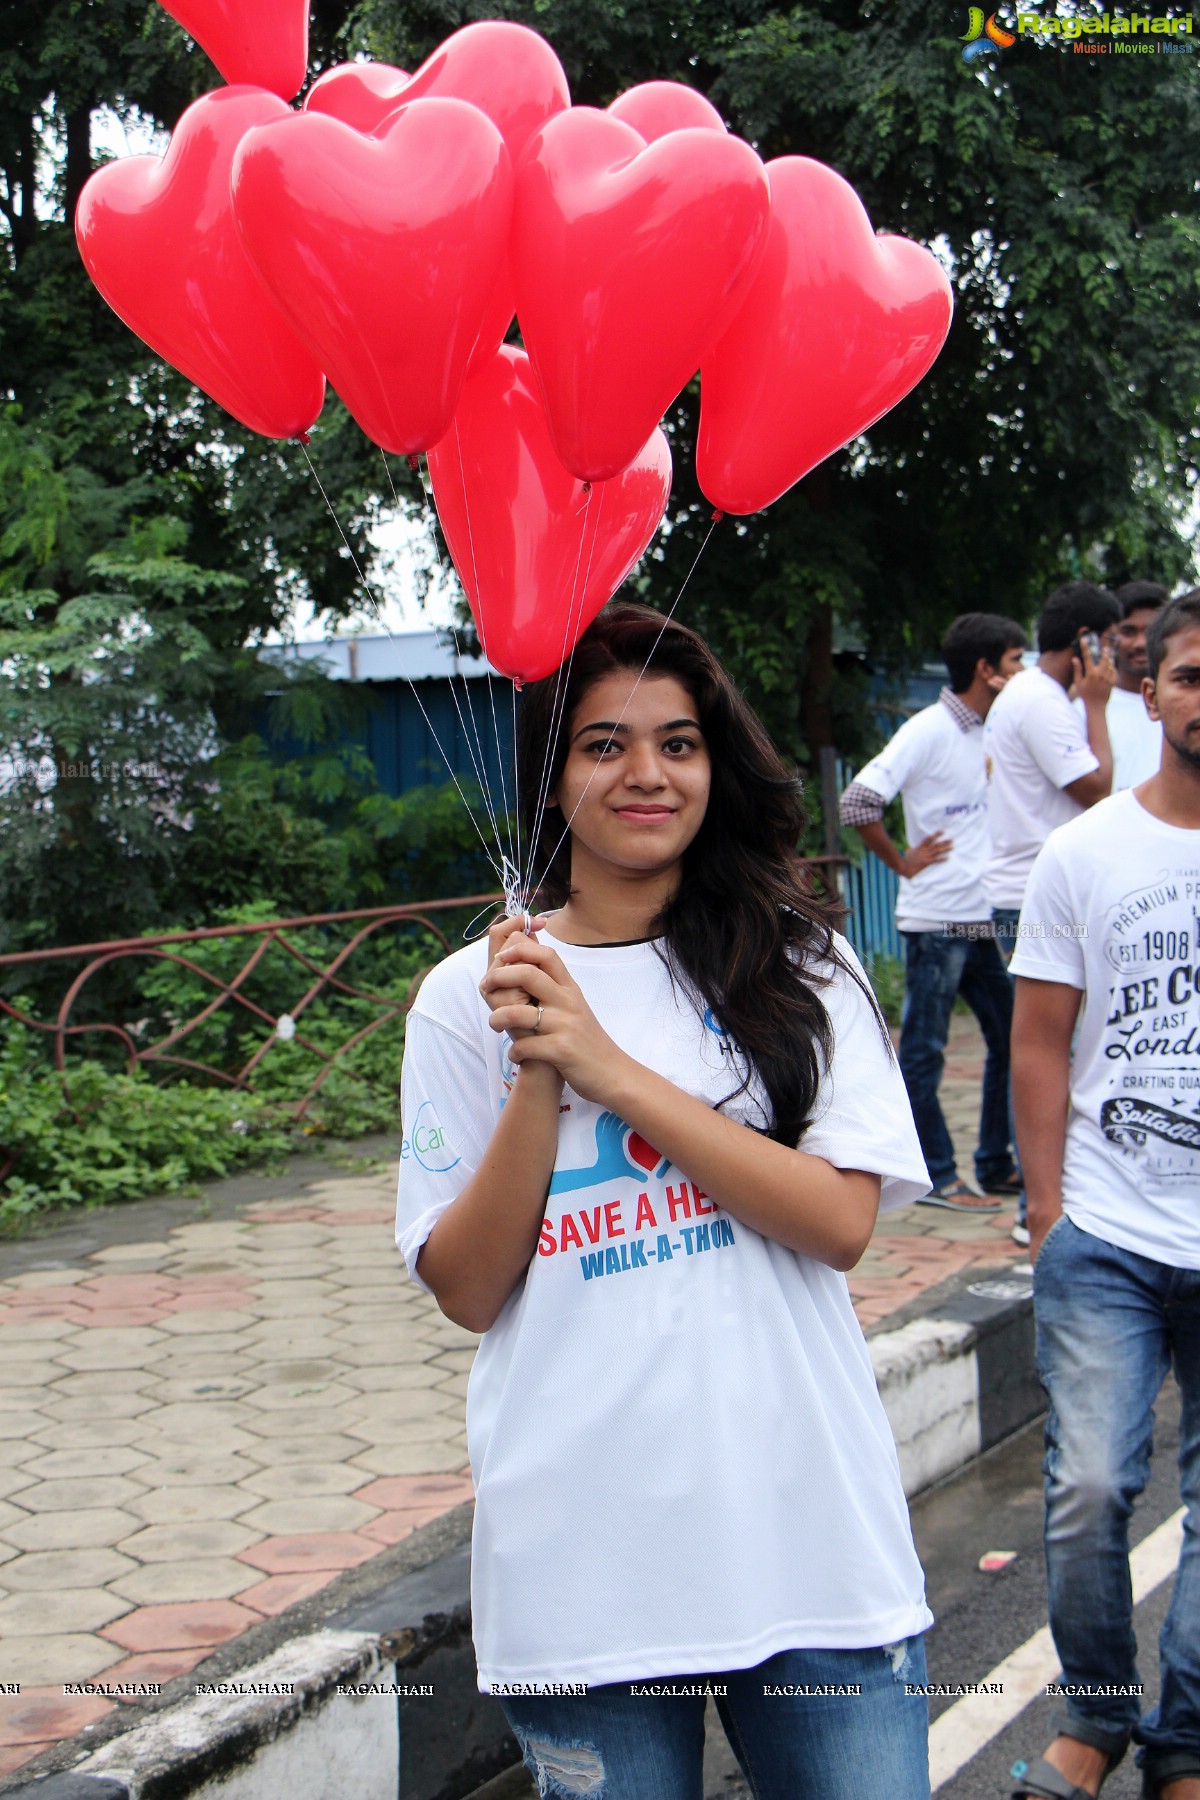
(376,1695)
(959,1376)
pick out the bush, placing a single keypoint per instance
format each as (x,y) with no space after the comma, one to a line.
(124,1136)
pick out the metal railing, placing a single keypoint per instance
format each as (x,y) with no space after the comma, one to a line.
(316,978)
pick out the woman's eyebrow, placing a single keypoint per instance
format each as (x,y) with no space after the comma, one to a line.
(613,726)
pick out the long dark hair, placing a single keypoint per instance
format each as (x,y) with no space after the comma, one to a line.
(745,932)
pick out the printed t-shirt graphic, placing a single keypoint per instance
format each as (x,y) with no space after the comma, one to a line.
(680,1458)
(1131,941)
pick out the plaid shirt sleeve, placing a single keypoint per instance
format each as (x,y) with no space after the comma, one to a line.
(860,805)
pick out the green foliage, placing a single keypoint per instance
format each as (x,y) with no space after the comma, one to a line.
(124,1136)
(129,1139)
(886,975)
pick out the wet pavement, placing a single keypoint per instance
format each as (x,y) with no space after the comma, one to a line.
(210,1409)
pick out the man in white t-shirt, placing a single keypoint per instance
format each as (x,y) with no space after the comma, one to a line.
(1045,765)
(1135,737)
(935,762)
(1046,760)
(1109,1131)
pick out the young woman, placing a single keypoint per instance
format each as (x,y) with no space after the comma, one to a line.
(642,1144)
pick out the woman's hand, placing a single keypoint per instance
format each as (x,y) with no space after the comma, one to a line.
(534,999)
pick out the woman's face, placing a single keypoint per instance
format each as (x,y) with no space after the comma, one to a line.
(635,784)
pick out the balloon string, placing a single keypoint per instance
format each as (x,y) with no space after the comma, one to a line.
(482,628)
(496,867)
(566,830)
(558,709)
(362,580)
(477,755)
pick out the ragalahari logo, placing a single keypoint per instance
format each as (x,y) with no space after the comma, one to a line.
(983,34)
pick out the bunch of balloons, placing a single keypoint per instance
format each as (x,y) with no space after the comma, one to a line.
(383,235)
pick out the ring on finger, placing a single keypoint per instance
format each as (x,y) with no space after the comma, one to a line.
(538,1022)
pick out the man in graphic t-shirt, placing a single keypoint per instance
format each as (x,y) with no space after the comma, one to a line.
(935,762)
(1109,1132)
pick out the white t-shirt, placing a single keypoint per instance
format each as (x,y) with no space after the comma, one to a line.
(1035,745)
(681,1460)
(1131,886)
(939,769)
(1135,737)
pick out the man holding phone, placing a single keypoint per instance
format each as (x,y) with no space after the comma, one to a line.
(1045,763)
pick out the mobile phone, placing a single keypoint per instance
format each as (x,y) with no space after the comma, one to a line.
(1092,640)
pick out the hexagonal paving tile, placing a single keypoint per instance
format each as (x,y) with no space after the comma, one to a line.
(293,1480)
(184,1505)
(49,1614)
(275,1593)
(190,1468)
(49,1661)
(410,1459)
(41,1571)
(95,1528)
(116,1460)
(37,1716)
(97,1434)
(79,1495)
(204,1537)
(316,1513)
(190,1578)
(302,1553)
(182,1627)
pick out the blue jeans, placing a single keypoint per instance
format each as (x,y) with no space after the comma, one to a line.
(939,967)
(1110,1324)
(616,1743)
(1004,922)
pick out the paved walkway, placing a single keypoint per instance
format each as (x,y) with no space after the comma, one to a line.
(201,1426)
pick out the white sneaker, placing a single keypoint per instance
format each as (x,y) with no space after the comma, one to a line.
(1020,1234)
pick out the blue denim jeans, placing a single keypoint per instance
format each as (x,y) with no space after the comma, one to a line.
(939,967)
(1110,1324)
(1004,923)
(619,1743)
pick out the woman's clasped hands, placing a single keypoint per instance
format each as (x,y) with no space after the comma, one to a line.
(535,1001)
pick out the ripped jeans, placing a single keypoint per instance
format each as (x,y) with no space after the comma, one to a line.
(623,1742)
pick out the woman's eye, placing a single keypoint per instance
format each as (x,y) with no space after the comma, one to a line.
(679,746)
(601,746)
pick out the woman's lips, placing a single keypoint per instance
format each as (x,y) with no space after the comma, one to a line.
(645,815)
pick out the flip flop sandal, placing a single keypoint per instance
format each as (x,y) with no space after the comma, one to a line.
(960,1198)
(1040,1780)
(1176,1765)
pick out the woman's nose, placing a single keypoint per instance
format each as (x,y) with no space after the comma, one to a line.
(643,768)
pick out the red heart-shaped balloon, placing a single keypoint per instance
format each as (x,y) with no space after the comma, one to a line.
(360,94)
(655,107)
(506,70)
(836,327)
(629,259)
(537,551)
(383,252)
(263,43)
(159,240)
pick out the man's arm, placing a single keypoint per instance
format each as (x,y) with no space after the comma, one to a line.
(862,810)
(1044,1015)
(1093,685)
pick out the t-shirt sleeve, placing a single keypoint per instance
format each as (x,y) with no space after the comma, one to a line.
(1050,935)
(1057,741)
(863,1119)
(447,1123)
(887,773)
